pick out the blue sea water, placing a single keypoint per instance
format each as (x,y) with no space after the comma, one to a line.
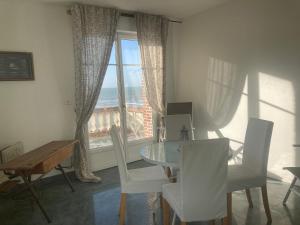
(109,97)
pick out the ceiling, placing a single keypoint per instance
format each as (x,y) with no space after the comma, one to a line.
(176,9)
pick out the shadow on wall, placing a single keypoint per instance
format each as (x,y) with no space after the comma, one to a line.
(234,96)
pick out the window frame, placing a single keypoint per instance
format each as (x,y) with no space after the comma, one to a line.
(129,35)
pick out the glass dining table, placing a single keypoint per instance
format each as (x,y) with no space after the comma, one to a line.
(166,154)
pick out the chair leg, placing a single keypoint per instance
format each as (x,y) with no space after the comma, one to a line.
(166,212)
(161,200)
(266,202)
(122,209)
(248,194)
(228,219)
(168,171)
(224,221)
(289,191)
(174,218)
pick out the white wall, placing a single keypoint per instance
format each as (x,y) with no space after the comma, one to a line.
(263,39)
(39,111)
(36,112)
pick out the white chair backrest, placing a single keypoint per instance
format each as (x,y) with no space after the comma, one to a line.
(176,125)
(203,184)
(120,155)
(257,145)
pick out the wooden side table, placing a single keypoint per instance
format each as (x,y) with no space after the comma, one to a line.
(41,161)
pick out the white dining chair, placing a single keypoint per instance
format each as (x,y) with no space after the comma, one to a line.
(200,195)
(179,127)
(142,180)
(253,170)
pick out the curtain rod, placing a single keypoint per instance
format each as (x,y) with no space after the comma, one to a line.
(126,14)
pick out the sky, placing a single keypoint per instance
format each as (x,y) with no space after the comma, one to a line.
(131,69)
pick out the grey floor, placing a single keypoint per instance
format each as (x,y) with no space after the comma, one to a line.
(97,204)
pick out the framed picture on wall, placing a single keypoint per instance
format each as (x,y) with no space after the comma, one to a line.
(16,66)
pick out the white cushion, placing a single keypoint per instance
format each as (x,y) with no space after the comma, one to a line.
(144,180)
(171,192)
(201,193)
(241,177)
(253,171)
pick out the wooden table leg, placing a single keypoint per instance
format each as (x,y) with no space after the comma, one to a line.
(266,202)
(35,196)
(166,212)
(122,209)
(168,171)
(61,169)
(228,219)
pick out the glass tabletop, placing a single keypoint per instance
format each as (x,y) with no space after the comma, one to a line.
(165,153)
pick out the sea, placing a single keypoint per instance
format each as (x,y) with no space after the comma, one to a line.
(109,97)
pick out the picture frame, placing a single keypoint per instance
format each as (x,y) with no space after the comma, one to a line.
(16,66)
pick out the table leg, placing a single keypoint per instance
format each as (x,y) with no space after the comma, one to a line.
(61,169)
(35,196)
(289,191)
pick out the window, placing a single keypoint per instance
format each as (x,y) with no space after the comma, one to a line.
(122,99)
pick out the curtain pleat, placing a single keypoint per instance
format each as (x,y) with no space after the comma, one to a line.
(94,30)
(152,34)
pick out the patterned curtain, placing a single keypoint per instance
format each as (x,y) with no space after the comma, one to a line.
(152,34)
(94,30)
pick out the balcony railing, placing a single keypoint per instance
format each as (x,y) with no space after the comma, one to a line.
(139,124)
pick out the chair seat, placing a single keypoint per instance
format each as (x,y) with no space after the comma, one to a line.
(145,180)
(240,177)
(171,192)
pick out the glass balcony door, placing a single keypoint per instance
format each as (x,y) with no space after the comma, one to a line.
(137,112)
(122,99)
(107,110)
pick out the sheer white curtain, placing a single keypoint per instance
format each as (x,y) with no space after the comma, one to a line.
(94,30)
(152,37)
(224,85)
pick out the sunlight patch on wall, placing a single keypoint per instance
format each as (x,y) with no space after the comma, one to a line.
(277,103)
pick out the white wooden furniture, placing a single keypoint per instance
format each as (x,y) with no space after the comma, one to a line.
(253,170)
(200,195)
(8,179)
(142,180)
(296,172)
(177,126)
(9,152)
